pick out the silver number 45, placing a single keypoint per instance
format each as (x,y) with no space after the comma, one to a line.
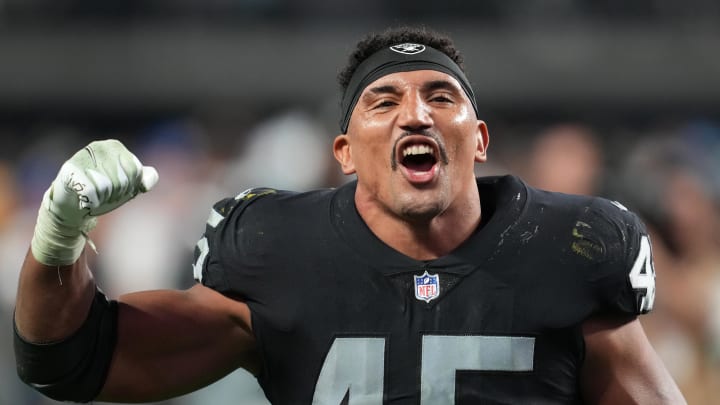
(355,366)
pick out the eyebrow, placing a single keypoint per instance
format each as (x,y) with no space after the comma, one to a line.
(439,85)
(426,88)
(388,88)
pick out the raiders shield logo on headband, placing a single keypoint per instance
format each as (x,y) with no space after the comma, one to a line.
(408,48)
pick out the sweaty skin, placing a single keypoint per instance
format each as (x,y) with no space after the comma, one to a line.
(415,217)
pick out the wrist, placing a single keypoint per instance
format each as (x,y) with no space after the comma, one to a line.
(58,241)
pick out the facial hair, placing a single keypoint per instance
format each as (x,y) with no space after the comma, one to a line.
(424,132)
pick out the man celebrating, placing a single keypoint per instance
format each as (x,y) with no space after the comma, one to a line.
(415,284)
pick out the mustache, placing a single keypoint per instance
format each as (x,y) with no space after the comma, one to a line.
(424,132)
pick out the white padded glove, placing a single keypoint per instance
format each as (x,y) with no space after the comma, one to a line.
(97,179)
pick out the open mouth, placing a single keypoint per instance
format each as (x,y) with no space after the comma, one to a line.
(417,157)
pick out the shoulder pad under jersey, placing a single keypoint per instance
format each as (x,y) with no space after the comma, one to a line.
(626,275)
(217,239)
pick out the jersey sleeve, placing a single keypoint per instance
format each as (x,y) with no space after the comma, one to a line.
(221,248)
(625,280)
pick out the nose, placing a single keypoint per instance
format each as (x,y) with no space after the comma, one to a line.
(414,113)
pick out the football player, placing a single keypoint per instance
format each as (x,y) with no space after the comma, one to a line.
(417,283)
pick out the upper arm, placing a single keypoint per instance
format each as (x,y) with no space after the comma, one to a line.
(185,340)
(621,367)
(178,340)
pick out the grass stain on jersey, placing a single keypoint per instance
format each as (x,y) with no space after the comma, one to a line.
(584,246)
(250,196)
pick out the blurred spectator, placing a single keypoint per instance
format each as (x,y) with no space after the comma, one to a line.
(675,187)
(290,151)
(565,158)
(10,240)
(8,206)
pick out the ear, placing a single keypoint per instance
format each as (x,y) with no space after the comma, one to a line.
(483,140)
(343,154)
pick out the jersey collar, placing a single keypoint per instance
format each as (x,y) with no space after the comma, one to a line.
(506,193)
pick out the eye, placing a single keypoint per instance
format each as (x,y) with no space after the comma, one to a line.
(441,98)
(384,104)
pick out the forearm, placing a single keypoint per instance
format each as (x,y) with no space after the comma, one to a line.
(66,329)
(52,301)
(56,287)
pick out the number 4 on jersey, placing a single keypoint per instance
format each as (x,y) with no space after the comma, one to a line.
(354,369)
(642,276)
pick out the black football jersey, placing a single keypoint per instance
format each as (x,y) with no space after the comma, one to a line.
(342,318)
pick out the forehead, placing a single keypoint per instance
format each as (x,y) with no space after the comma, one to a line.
(414,78)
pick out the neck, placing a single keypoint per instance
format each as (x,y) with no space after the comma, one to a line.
(423,239)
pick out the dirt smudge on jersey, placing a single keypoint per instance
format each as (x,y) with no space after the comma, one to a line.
(527,235)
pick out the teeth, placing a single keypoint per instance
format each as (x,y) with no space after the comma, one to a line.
(417,150)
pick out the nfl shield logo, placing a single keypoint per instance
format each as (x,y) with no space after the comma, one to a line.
(427,286)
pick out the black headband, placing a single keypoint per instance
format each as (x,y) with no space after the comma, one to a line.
(399,58)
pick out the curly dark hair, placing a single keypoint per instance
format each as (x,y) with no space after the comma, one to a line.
(373,42)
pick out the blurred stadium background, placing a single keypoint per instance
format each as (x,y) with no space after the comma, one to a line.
(613,98)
